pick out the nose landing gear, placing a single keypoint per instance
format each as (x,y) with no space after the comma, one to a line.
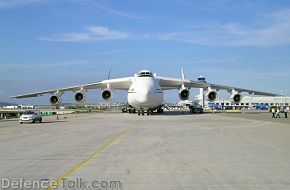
(149,112)
(142,112)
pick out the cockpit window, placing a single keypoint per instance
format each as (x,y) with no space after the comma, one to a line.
(145,74)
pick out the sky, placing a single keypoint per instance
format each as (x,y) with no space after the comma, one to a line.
(48,44)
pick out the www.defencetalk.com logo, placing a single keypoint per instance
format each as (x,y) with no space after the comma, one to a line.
(77,183)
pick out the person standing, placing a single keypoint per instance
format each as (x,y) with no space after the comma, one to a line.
(282,110)
(286,112)
(273,112)
(278,112)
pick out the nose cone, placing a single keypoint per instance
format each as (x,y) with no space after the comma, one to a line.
(143,96)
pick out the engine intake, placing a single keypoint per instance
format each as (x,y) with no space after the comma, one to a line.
(236,98)
(184,94)
(80,97)
(211,95)
(106,94)
(55,100)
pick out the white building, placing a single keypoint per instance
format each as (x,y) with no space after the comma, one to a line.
(251,102)
(19,107)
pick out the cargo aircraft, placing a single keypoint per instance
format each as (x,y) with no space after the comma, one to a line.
(145,90)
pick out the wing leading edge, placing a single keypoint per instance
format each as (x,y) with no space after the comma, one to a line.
(175,83)
(118,83)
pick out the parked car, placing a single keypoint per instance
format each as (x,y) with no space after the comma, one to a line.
(31,116)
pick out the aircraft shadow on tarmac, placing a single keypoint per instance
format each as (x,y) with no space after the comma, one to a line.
(178,113)
(56,121)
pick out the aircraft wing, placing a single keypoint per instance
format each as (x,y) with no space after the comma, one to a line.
(168,83)
(230,88)
(118,83)
(175,83)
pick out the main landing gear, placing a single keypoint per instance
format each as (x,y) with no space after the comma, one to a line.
(160,110)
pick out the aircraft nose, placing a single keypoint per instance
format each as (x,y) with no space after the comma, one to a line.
(143,96)
(146,93)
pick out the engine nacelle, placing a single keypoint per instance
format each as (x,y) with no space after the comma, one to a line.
(184,94)
(211,95)
(55,100)
(236,97)
(80,97)
(107,94)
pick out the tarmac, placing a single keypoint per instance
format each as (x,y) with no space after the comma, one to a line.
(176,150)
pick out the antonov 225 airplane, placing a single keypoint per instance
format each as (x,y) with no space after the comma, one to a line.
(145,90)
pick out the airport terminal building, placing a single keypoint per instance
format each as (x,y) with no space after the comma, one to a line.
(257,102)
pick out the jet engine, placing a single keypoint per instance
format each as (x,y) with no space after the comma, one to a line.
(236,97)
(211,95)
(80,96)
(184,94)
(107,94)
(55,100)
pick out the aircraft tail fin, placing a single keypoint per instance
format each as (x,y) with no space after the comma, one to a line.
(109,74)
(182,73)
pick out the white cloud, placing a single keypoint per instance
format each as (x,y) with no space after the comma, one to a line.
(82,2)
(93,33)
(21,66)
(110,52)
(106,9)
(273,32)
(16,3)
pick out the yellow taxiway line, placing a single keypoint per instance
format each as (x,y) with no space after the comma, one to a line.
(88,159)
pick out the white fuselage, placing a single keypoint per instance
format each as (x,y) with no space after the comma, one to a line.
(145,93)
